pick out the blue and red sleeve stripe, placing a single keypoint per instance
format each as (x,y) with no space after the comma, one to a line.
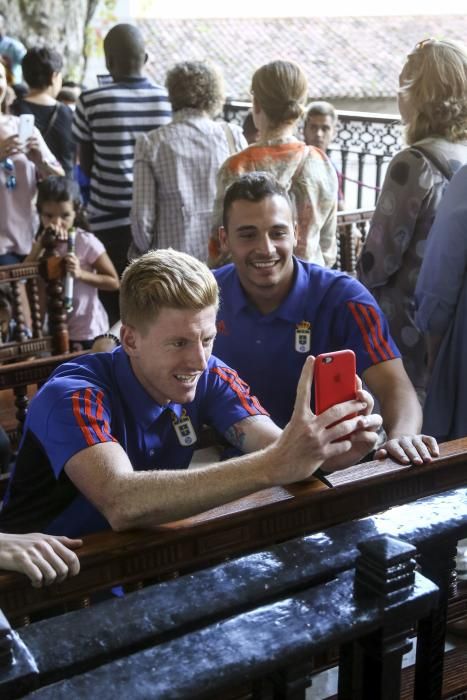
(88,410)
(369,323)
(249,402)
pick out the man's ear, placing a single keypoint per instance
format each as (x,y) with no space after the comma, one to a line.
(255,108)
(223,239)
(129,338)
(295,237)
(146,57)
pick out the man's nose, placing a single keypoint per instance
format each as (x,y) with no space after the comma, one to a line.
(266,246)
(198,359)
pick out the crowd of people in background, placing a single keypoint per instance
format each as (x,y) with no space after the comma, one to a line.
(131,166)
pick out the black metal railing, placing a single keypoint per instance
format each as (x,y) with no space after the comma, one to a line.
(365,143)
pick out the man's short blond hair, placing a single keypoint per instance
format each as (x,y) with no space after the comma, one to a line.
(165,279)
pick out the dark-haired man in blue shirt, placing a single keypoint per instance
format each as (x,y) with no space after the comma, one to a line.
(276,310)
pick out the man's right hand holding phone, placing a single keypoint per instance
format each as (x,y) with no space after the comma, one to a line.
(337,438)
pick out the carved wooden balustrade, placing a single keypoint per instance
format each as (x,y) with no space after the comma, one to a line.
(352,230)
(30,355)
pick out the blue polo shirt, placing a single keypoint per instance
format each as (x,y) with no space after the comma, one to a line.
(324,311)
(98,399)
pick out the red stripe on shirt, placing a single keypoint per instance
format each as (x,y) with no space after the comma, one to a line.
(364,332)
(75,399)
(100,416)
(241,389)
(384,342)
(92,419)
(371,328)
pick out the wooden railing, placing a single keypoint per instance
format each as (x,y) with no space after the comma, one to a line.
(273,515)
(432,515)
(248,629)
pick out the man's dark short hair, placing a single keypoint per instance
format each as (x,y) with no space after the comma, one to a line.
(323,109)
(38,66)
(253,187)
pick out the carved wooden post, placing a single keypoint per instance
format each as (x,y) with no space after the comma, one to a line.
(51,269)
(370,668)
(34,303)
(348,245)
(340,256)
(437,562)
(20,329)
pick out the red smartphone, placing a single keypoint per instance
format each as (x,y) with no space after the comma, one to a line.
(335,380)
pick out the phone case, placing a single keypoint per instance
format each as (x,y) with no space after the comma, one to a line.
(334,378)
(25,127)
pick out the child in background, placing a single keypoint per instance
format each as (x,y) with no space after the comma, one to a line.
(58,204)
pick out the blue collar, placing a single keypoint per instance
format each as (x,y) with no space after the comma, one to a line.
(134,395)
(292,308)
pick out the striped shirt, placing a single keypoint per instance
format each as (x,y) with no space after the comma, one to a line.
(111,117)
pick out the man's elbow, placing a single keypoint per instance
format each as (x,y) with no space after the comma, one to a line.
(117,513)
(119,520)
(122,518)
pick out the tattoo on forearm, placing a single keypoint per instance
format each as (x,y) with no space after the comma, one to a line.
(236,436)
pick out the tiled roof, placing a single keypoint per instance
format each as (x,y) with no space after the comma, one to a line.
(344,57)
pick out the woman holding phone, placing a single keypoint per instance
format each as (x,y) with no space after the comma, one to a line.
(21,165)
(42,68)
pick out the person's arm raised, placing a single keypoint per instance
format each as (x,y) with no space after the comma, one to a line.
(131,499)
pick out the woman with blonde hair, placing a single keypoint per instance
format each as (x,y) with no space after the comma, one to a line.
(279,92)
(433,105)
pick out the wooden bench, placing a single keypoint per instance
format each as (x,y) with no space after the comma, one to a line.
(433,523)
(206,634)
(269,516)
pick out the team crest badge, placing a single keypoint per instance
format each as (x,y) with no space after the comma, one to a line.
(184,428)
(303,336)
